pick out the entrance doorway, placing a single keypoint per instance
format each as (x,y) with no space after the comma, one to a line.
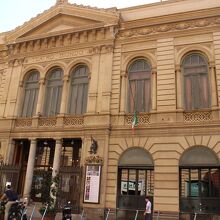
(135,182)
(199,182)
(70,171)
(43,168)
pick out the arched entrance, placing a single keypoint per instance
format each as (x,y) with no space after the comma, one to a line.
(135,181)
(199,181)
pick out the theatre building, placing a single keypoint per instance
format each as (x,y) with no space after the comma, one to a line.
(73,81)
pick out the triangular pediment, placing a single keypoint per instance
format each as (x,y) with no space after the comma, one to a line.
(60,23)
(63,18)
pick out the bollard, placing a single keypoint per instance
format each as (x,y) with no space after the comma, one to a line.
(107,214)
(32,213)
(23,213)
(136,215)
(44,212)
(195,216)
(158,215)
(82,214)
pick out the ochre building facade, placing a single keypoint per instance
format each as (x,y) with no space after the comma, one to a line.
(73,81)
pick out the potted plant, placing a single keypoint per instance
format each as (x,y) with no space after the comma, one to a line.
(50,189)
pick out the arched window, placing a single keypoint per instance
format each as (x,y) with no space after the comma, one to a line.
(135,179)
(31,89)
(139,86)
(196,82)
(54,87)
(199,181)
(78,90)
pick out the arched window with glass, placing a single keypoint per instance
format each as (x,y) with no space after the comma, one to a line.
(31,89)
(78,90)
(54,86)
(139,86)
(196,82)
(199,177)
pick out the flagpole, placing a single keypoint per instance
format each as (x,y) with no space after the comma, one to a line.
(135,118)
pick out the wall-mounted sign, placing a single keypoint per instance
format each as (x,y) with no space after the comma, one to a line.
(92,183)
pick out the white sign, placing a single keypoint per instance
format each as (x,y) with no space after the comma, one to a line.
(92,183)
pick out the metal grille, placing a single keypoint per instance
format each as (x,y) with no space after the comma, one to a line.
(195,117)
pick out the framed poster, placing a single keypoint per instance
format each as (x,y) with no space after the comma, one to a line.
(92,183)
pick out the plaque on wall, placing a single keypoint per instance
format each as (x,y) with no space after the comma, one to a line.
(92,183)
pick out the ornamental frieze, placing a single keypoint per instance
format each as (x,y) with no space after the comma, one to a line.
(58,56)
(94,159)
(171,27)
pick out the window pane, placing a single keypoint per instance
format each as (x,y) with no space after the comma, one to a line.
(193,183)
(150,182)
(184,182)
(206,185)
(78,91)
(124,182)
(30,95)
(196,83)
(139,91)
(53,93)
(142,182)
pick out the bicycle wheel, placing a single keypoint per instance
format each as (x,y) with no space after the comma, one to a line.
(14,216)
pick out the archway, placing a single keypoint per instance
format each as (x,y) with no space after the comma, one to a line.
(199,181)
(135,182)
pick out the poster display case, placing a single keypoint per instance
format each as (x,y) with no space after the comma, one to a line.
(92,184)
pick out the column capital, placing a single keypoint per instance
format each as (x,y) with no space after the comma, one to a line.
(211,65)
(58,140)
(124,73)
(41,81)
(154,70)
(32,139)
(177,68)
(21,83)
(66,78)
(11,141)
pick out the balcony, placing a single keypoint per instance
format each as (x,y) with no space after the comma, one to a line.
(120,121)
(49,122)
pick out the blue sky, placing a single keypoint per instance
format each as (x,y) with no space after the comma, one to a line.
(14,13)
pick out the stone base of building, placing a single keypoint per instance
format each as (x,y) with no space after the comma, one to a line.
(166,216)
(188,216)
(116,214)
(92,213)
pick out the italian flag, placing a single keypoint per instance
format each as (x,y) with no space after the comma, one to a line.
(135,121)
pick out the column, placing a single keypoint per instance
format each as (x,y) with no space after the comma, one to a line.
(40,97)
(30,169)
(64,95)
(213,86)
(179,101)
(123,98)
(154,89)
(10,152)
(57,157)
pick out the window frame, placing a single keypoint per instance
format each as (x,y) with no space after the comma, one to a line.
(196,82)
(54,87)
(31,92)
(140,80)
(79,82)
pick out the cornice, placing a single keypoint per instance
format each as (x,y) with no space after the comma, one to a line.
(195,24)
(106,16)
(62,42)
(178,17)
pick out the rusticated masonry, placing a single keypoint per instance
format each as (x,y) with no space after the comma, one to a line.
(165,75)
(216,39)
